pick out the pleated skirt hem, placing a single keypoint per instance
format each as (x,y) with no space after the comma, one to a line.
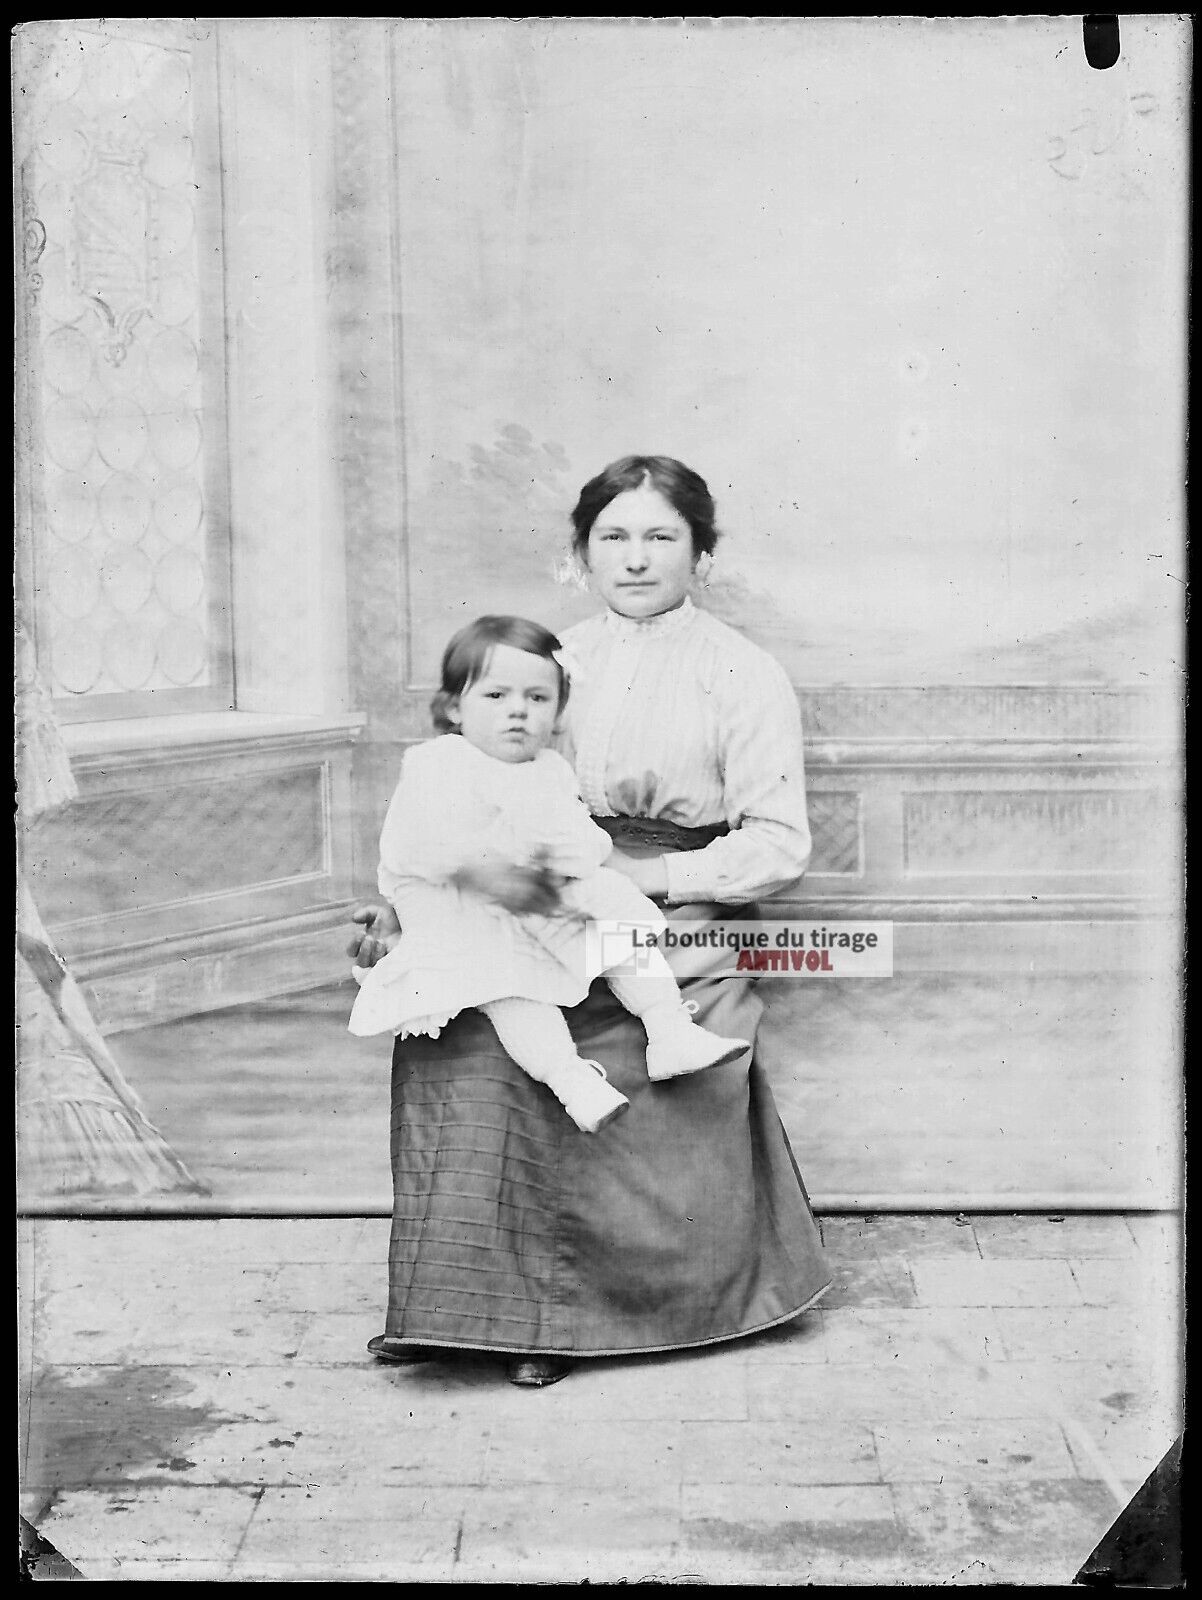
(574,1351)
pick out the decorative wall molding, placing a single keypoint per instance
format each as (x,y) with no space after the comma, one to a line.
(957,828)
(153,983)
(171,844)
(924,754)
(836,824)
(1019,831)
(1007,712)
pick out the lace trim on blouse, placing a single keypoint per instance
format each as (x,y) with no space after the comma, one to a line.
(648,627)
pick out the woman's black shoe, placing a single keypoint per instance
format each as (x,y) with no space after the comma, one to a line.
(387,1349)
(536,1372)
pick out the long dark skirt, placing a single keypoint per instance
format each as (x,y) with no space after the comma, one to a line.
(683,1222)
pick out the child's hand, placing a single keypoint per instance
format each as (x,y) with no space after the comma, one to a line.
(522,890)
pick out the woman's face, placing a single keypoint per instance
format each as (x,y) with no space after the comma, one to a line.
(640,554)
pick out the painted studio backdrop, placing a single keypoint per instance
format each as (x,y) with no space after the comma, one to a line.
(322,325)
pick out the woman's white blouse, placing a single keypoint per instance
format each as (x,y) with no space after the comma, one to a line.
(679,717)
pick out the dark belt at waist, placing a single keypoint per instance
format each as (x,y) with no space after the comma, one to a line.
(660,834)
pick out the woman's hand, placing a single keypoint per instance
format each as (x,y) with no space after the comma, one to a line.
(649,874)
(380,932)
(522,890)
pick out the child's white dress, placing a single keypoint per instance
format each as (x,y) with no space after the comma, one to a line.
(454,804)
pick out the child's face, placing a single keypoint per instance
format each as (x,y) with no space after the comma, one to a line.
(510,710)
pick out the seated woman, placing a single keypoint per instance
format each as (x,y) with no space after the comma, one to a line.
(685,1222)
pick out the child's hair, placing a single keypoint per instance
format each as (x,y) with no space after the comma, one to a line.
(466,658)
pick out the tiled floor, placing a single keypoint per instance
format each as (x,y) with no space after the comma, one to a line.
(974,1402)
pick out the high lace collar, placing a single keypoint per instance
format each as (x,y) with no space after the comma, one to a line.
(646,627)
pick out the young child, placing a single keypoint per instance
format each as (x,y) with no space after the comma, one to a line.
(486,797)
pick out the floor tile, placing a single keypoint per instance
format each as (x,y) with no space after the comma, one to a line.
(972,1450)
(719,1553)
(778,1451)
(608,1453)
(1032,1237)
(250,1454)
(220,1392)
(390,1568)
(121,1425)
(838,1392)
(905,1237)
(1157,1233)
(73,1456)
(316,1455)
(814,1535)
(813,1504)
(370,1394)
(295,1530)
(1050,1390)
(175,1570)
(1120,1451)
(119,1524)
(1119,1389)
(1144,1280)
(572,1529)
(995,1282)
(570,1563)
(928,1336)
(1083,1333)
(225,1369)
(869,1281)
(1023,1531)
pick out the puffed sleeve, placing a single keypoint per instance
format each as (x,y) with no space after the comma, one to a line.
(435,822)
(764,797)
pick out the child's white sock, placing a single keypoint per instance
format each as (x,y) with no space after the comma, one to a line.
(645,986)
(536,1036)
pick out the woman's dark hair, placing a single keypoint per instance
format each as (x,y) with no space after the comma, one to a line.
(683,488)
(466,659)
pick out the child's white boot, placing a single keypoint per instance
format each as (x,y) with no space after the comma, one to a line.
(586,1094)
(676,1045)
(538,1039)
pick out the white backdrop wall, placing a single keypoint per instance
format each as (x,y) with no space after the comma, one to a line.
(908,292)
